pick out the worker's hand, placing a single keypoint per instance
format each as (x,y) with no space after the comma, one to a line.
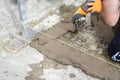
(89,6)
(114,48)
(78,19)
(93,5)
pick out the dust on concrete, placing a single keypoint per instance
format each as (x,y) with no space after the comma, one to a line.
(72,75)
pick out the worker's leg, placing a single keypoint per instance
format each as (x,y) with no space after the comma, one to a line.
(110,12)
(110,15)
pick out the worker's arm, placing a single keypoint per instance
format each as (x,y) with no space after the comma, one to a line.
(110,12)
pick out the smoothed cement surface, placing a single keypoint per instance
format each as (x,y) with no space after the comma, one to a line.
(69,54)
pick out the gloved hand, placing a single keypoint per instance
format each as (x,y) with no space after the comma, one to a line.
(78,19)
(114,48)
(79,16)
(94,6)
(89,6)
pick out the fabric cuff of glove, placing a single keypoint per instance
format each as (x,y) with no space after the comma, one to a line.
(81,11)
(77,16)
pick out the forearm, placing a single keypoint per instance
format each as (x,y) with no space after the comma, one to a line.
(110,12)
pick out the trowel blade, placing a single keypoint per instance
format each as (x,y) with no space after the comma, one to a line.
(68,25)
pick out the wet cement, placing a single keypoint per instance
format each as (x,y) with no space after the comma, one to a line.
(85,49)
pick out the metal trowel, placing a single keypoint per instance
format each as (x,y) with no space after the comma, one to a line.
(68,25)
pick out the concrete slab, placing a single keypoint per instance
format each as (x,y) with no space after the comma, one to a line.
(16,66)
(69,54)
(15,45)
(26,64)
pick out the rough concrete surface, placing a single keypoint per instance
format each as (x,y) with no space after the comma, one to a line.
(28,63)
(16,66)
(52,70)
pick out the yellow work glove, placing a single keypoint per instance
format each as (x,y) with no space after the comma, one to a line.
(89,6)
(94,6)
